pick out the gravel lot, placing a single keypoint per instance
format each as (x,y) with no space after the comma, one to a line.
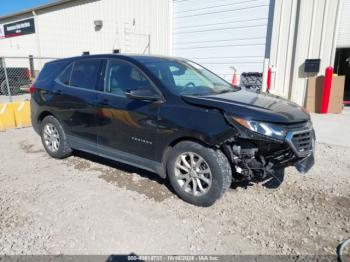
(87,205)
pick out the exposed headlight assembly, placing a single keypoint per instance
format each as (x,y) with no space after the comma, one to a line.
(263,128)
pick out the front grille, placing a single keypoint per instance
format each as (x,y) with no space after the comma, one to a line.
(302,141)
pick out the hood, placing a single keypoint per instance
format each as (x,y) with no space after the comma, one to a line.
(254,106)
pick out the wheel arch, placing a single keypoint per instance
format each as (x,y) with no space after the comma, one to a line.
(173,143)
(44,114)
(63,149)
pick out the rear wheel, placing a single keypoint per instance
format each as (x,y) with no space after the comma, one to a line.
(54,139)
(14,87)
(198,174)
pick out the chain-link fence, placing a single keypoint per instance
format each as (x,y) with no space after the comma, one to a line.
(16,76)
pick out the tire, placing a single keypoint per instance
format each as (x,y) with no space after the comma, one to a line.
(14,87)
(60,151)
(219,168)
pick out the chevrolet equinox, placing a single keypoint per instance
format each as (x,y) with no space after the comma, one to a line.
(170,116)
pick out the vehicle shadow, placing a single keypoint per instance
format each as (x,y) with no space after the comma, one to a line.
(272,182)
(124,168)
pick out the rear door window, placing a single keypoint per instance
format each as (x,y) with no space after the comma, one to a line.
(85,73)
(122,77)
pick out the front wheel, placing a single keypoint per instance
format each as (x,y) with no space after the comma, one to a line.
(199,175)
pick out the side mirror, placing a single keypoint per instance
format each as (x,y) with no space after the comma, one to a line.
(143,94)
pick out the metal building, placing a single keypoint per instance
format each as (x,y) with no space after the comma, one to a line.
(69,27)
(254,35)
(304,30)
(223,35)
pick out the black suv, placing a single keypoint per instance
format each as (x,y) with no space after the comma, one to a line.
(170,116)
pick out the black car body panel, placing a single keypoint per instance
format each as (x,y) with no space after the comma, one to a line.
(142,132)
(256,106)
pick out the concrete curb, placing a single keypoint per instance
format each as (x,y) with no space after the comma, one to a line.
(15,114)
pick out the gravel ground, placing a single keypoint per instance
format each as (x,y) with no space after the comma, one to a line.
(87,205)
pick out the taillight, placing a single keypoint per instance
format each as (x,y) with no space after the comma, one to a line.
(27,73)
(32,89)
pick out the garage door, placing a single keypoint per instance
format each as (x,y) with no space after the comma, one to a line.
(344,28)
(222,34)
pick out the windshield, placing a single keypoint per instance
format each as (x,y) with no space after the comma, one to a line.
(188,78)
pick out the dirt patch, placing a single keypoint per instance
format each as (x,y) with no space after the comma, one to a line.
(78,164)
(342,202)
(150,186)
(30,148)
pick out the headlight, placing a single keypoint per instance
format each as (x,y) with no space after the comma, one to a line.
(266,129)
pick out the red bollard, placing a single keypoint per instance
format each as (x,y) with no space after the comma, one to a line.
(234,79)
(269,75)
(326,90)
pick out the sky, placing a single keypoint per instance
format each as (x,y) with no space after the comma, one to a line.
(13,6)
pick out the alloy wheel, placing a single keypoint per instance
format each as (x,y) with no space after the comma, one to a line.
(193,174)
(51,137)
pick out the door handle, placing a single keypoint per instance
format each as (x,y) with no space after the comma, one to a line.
(104,102)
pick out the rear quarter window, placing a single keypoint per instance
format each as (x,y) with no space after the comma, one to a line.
(50,71)
(64,77)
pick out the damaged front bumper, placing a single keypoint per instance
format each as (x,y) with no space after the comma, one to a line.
(302,142)
(256,156)
(304,165)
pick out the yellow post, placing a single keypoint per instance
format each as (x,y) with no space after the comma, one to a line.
(22,115)
(7,117)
